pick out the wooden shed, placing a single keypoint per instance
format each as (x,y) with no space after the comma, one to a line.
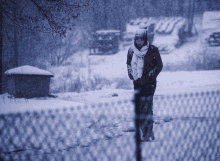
(28,82)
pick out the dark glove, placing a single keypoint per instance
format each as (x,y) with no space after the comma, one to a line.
(143,80)
(138,81)
(146,79)
(131,76)
(150,79)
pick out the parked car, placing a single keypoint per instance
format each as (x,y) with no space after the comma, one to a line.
(210,28)
(214,39)
(167,33)
(105,42)
(128,38)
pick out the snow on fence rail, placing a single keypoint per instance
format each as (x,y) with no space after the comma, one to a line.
(186,127)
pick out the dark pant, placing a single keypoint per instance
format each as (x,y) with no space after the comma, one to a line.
(146,106)
(147,89)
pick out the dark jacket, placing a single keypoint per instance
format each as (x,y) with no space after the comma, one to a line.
(152,65)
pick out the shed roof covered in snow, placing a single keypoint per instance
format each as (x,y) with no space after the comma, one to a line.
(28,70)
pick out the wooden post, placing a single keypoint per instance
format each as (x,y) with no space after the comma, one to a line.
(137,126)
(190,16)
(1,45)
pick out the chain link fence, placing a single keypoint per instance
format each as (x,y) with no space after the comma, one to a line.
(186,127)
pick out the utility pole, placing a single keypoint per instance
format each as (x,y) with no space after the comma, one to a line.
(15,36)
(105,15)
(1,44)
(191,16)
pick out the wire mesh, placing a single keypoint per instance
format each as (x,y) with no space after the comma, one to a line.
(91,132)
(186,127)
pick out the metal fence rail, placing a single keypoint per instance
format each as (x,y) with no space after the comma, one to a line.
(186,127)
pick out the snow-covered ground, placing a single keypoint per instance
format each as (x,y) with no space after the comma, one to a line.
(168,83)
(13,105)
(174,83)
(178,123)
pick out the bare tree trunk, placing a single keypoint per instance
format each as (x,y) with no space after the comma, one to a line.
(15,48)
(89,80)
(1,45)
(190,17)
(15,39)
(105,14)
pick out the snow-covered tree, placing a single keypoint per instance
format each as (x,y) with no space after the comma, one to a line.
(19,17)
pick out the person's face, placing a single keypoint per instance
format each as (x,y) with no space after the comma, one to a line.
(140,42)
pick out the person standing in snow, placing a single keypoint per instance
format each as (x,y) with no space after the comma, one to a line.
(143,65)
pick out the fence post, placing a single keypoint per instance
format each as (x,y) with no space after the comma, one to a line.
(137,125)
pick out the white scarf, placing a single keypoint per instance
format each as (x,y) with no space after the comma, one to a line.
(137,63)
